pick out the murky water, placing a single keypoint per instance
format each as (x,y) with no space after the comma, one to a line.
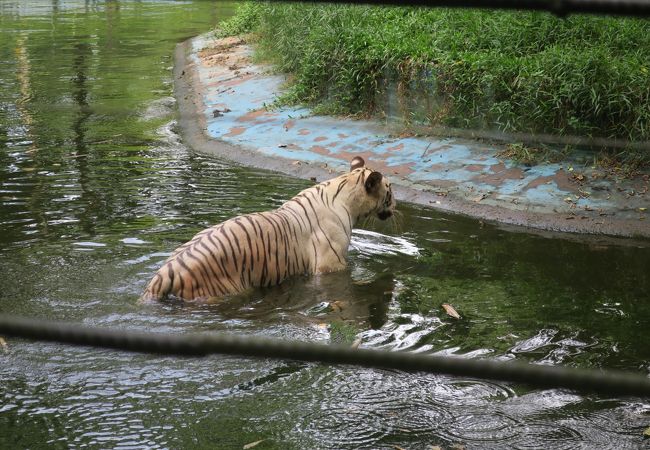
(96,189)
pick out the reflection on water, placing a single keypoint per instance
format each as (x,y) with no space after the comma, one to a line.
(96,188)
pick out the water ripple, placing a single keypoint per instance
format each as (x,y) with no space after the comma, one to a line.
(555,436)
(479,426)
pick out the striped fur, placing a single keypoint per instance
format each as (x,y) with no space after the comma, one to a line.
(309,234)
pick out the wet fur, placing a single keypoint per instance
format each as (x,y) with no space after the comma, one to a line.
(309,234)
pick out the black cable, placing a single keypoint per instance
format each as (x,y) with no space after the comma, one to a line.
(561,8)
(606,383)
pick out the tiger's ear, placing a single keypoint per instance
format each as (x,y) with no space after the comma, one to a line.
(373,182)
(357,162)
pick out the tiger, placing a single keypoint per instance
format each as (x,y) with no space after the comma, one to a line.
(309,234)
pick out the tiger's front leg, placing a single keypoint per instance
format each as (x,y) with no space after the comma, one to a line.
(331,253)
(332,267)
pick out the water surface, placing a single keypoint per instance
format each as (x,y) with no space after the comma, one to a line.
(96,189)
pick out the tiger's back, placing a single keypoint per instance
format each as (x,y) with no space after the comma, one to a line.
(308,234)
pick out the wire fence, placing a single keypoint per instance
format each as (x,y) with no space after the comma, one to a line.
(608,383)
(561,8)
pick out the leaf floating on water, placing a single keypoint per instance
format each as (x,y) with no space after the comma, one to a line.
(646,433)
(450,310)
(3,345)
(338,305)
(253,444)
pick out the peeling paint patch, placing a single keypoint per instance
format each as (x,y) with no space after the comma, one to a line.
(396,148)
(475,167)
(254,116)
(235,131)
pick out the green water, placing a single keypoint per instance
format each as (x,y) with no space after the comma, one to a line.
(96,188)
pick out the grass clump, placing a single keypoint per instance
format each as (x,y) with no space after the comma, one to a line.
(511,71)
(245,20)
(530,156)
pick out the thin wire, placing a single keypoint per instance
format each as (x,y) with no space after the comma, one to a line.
(561,8)
(608,383)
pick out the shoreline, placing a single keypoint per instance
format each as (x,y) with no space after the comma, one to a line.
(192,92)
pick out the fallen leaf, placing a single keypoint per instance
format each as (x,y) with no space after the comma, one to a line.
(253,444)
(480,197)
(450,310)
(435,447)
(219,112)
(337,305)
(646,433)
(3,345)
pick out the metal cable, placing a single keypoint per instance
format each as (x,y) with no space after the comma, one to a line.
(561,8)
(606,383)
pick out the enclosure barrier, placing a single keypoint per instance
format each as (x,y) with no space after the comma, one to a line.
(561,8)
(608,383)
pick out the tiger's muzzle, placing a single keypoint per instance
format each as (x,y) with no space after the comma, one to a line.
(388,206)
(383,215)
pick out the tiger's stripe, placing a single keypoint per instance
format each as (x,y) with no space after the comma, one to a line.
(308,234)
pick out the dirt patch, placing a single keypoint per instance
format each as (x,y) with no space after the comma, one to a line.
(221,46)
(227,52)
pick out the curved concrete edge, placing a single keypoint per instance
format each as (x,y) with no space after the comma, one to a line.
(193,126)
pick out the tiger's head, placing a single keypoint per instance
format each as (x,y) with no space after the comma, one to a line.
(374,196)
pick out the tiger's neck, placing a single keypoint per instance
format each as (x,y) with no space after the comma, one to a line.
(325,228)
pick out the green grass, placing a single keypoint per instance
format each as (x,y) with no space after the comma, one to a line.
(515,72)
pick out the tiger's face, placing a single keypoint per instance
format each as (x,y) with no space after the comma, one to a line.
(376,196)
(382,191)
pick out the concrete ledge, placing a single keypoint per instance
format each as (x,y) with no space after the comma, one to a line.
(222,99)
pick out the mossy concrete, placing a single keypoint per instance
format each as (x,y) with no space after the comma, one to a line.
(224,103)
